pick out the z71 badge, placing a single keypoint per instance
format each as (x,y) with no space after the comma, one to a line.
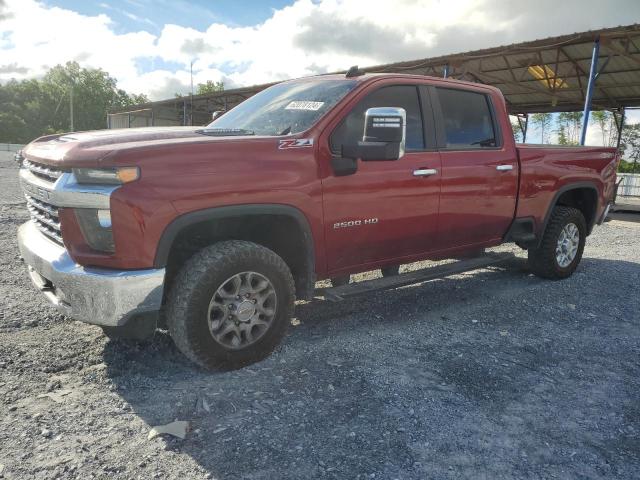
(296,143)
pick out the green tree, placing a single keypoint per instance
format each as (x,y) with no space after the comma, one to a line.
(543,122)
(607,126)
(630,148)
(562,135)
(209,87)
(31,108)
(569,124)
(517,130)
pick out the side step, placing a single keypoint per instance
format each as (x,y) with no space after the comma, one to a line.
(336,294)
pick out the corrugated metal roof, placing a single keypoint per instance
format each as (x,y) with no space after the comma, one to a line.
(567,57)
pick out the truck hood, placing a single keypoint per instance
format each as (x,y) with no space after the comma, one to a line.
(90,148)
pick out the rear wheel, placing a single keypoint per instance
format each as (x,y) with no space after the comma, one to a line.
(230,304)
(562,244)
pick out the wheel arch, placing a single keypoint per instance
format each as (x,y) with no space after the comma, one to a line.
(581,195)
(282,228)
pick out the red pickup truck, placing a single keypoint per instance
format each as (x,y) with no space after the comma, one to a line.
(217,230)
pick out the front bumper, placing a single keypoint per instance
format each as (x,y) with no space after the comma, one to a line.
(94,295)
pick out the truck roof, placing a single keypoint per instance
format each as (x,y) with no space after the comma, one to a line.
(369,77)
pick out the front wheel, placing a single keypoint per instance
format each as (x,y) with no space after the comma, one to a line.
(560,251)
(230,304)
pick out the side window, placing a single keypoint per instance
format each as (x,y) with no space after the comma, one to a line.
(467,119)
(351,129)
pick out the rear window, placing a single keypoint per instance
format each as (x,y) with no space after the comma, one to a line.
(467,118)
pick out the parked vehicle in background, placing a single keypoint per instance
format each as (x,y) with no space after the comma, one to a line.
(216,231)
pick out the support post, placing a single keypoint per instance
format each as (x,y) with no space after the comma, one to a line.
(445,72)
(592,80)
(619,127)
(523,125)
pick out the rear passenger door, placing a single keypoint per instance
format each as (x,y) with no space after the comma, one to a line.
(479,172)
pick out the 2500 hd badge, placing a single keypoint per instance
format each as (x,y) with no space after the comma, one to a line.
(355,223)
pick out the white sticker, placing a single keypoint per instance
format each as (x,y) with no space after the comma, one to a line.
(302,105)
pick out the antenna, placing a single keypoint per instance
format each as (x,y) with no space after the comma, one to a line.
(354,72)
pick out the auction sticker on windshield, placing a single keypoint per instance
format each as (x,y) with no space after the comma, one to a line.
(303,105)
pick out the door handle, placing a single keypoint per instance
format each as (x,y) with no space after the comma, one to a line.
(504,168)
(424,172)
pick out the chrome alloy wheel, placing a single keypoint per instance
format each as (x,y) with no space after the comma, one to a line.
(241,310)
(567,246)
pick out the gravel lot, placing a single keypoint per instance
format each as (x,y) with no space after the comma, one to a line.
(491,374)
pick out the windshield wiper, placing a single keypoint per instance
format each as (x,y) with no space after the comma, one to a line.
(224,132)
(286,131)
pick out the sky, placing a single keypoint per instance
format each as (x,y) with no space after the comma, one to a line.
(149,45)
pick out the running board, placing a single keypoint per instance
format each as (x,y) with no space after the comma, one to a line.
(336,294)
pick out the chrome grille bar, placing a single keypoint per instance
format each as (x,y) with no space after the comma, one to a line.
(45,207)
(45,217)
(49,232)
(42,171)
(35,214)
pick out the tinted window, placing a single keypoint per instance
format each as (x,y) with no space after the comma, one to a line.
(351,130)
(467,119)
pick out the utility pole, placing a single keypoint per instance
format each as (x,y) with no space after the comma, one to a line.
(191,101)
(71,106)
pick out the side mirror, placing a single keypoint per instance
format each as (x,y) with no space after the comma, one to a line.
(384,135)
(217,114)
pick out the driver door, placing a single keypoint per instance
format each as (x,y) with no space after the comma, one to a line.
(386,210)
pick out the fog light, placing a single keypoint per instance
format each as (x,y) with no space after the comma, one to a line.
(96,228)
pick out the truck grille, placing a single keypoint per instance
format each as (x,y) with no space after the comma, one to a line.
(45,172)
(45,216)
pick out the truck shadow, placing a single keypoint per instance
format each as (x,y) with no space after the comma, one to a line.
(366,386)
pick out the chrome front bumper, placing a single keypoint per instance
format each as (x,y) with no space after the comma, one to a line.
(93,295)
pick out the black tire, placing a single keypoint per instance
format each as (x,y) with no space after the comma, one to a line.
(543,260)
(194,287)
(390,271)
(340,281)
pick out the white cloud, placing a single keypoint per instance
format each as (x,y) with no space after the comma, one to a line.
(307,37)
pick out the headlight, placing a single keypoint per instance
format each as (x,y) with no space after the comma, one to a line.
(106,176)
(96,228)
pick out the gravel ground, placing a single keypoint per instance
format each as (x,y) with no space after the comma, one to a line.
(491,374)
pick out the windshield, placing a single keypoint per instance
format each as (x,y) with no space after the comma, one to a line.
(282,109)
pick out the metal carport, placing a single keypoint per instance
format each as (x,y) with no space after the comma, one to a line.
(597,69)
